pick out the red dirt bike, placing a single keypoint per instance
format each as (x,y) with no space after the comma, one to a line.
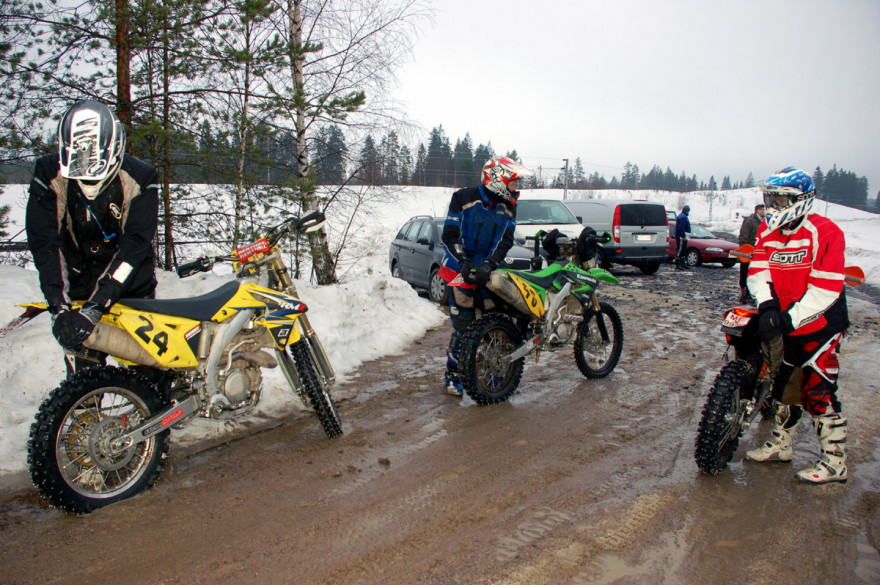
(742,388)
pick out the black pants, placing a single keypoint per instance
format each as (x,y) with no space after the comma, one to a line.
(681,246)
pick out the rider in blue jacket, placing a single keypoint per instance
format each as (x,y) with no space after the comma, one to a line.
(477,235)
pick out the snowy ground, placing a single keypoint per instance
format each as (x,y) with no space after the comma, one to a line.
(366,316)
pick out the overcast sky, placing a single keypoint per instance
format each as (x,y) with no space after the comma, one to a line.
(712,88)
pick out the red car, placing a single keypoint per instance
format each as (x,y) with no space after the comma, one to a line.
(703,247)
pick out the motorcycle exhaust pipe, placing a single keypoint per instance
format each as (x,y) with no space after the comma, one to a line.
(508,291)
(119,344)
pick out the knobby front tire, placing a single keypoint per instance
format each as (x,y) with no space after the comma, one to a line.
(599,341)
(720,427)
(317,395)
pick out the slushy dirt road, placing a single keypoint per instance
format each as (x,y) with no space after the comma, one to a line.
(573,481)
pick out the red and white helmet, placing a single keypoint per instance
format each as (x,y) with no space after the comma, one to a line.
(91,143)
(499,171)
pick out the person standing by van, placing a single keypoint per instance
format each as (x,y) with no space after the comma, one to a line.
(682,230)
(748,233)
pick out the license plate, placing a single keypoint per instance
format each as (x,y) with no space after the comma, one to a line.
(734,320)
(643,237)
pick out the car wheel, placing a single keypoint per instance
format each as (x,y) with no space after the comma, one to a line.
(649,267)
(438,291)
(395,270)
(728,263)
(693,257)
(602,259)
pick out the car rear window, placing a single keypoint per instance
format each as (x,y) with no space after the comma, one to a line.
(639,215)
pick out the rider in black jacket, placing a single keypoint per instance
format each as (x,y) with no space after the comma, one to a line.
(91,217)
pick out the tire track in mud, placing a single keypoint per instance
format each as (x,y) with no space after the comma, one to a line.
(578,561)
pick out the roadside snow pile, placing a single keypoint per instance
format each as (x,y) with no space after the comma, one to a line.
(360,320)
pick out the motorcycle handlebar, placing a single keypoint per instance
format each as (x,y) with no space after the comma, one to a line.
(202,264)
(309,222)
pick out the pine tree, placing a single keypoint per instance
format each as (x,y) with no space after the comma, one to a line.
(405,164)
(329,156)
(819,180)
(463,161)
(420,171)
(725,183)
(439,160)
(389,153)
(750,181)
(370,163)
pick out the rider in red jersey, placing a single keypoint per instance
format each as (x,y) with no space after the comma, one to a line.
(797,278)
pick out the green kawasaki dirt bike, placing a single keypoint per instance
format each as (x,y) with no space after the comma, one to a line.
(541,309)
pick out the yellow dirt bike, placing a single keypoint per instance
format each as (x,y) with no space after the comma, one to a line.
(103,435)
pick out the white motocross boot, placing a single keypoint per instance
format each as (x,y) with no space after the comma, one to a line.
(785,422)
(831,430)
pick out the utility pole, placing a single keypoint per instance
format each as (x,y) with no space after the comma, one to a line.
(565,170)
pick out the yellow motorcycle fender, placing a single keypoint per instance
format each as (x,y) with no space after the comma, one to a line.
(171,341)
(532,298)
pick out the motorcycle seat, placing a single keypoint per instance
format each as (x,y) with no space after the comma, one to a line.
(542,279)
(200,308)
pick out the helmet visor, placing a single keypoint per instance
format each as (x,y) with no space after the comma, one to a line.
(779,201)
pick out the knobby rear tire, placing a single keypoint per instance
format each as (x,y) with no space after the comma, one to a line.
(69,458)
(486,378)
(721,415)
(599,341)
(317,394)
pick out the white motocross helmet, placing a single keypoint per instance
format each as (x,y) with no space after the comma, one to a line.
(91,143)
(788,196)
(499,171)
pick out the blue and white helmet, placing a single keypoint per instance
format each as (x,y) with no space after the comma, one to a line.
(788,196)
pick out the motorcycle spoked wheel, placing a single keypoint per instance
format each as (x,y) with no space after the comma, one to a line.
(70,457)
(720,427)
(599,341)
(318,396)
(484,374)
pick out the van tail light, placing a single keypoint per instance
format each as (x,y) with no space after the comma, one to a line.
(615,225)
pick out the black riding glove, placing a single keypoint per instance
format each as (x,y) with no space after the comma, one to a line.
(71,328)
(484,271)
(772,324)
(465,270)
(55,310)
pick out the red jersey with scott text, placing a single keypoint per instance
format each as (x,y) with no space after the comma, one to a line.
(802,269)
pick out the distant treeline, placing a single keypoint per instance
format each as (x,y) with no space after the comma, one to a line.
(435,163)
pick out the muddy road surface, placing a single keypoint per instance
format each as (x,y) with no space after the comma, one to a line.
(572,481)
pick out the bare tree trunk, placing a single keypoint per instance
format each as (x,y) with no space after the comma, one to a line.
(123,68)
(243,138)
(166,146)
(322,260)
